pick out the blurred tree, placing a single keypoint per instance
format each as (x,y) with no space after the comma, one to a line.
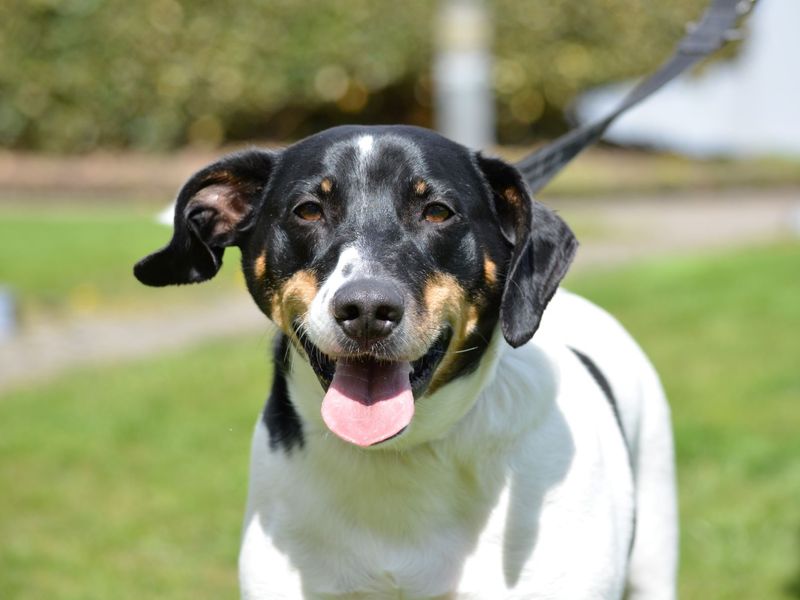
(80,74)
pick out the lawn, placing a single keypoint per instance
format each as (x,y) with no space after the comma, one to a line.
(129,481)
(80,257)
(724,333)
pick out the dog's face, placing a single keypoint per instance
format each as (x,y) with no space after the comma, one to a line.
(387,255)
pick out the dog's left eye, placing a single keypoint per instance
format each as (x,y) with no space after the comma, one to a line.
(436,213)
(309,211)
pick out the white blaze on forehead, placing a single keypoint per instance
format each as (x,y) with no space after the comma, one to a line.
(364,146)
(350,264)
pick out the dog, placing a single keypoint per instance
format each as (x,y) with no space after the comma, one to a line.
(444,421)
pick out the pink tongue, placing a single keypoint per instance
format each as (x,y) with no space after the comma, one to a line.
(368,402)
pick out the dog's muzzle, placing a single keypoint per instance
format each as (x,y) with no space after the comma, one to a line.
(371,399)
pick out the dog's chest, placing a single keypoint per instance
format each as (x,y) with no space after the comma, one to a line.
(404,524)
(522,496)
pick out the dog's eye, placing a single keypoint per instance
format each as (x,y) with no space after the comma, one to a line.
(436,213)
(309,211)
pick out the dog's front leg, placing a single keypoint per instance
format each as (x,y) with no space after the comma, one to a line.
(264,571)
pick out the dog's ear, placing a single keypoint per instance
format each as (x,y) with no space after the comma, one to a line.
(213,211)
(543,248)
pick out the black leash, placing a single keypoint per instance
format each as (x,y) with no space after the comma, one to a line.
(717,27)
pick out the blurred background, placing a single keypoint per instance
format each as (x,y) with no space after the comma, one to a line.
(125,412)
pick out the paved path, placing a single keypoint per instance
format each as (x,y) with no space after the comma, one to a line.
(48,348)
(617,231)
(624,230)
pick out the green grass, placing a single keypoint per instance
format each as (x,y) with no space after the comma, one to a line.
(129,481)
(79,258)
(725,335)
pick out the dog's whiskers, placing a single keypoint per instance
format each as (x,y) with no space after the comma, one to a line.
(465,350)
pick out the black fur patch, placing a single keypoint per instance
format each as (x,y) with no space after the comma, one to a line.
(282,421)
(602,382)
(605,386)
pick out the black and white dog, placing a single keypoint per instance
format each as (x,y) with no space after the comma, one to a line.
(419,440)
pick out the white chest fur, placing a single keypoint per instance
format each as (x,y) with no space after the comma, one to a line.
(527,494)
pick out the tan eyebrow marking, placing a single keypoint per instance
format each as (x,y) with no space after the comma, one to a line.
(420,187)
(326,185)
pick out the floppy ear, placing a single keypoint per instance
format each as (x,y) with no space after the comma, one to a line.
(213,210)
(543,249)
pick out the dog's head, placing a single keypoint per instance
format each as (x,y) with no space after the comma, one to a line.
(387,255)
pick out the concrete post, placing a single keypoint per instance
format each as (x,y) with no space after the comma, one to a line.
(462,74)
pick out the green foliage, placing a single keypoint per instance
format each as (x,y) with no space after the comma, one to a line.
(78,74)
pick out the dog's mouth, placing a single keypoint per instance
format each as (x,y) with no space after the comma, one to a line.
(369,399)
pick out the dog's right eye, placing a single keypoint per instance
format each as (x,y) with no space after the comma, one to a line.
(309,211)
(436,212)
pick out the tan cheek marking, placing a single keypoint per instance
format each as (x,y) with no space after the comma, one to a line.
(420,187)
(445,300)
(260,265)
(293,298)
(442,292)
(466,324)
(489,270)
(275,312)
(326,185)
(472,320)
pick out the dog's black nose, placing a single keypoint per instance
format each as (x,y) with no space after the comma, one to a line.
(368,309)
